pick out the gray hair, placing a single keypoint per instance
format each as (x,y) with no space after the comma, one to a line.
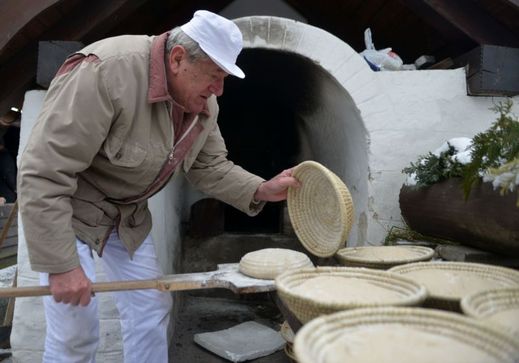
(178,37)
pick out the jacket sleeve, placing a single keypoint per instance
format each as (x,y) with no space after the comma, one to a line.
(72,125)
(220,178)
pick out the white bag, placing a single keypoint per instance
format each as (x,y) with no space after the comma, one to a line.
(384,59)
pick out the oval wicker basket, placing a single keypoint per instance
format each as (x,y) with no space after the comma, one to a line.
(499,307)
(352,336)
(321,210)
(383,257)
(448,282)
(407,292)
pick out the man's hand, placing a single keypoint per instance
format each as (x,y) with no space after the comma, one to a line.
(276,188)
(71,287)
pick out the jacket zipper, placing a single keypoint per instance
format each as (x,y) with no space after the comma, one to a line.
(158,181)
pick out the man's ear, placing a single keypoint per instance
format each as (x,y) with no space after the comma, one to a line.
(176,56)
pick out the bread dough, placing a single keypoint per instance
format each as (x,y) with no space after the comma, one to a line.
(345,290)
(383,253)
(401,343)
(454,284)
(508,319)
(268,263)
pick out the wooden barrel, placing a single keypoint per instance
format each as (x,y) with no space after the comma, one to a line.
(486,220)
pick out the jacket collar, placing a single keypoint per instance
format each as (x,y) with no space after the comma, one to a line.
(158,85)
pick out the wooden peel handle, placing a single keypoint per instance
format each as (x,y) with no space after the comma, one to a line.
(26,291)
(224,278)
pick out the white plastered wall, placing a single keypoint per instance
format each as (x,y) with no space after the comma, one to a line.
(369,127)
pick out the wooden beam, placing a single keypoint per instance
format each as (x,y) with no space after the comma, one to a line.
(20,70)
(465,17)
(151,18)
(15,14)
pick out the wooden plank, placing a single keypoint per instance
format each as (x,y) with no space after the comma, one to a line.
(465,17)
(8,251)
(15,14)
(429,15)
(151,20)
(505,10)
(227,276)
(13,213)
(11,241)
(20,70)
(9,312)
(491,70)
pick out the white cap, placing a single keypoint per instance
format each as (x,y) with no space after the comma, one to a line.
(218,37)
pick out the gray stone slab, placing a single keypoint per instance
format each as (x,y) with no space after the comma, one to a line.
(242,342)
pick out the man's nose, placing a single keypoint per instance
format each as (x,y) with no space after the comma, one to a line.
(216,88)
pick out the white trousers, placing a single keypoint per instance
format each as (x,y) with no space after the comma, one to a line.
(73,331)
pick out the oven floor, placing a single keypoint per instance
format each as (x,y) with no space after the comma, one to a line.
(214,310)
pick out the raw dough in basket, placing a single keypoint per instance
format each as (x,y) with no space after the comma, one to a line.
(268,263)
(400,343)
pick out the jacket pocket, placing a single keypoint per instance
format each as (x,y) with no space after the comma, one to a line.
(87,213)
(127,154)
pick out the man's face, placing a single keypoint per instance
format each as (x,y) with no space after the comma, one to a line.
(192,83)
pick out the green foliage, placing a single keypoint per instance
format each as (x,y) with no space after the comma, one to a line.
(506,177)
(431,169)
(397,234)
(494,147)
(491,150)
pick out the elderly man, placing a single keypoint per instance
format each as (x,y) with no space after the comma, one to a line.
(119,119)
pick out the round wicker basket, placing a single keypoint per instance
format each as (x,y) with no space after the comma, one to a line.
(402,291)
(321,210)
(448,282)
(383,257)
(405,335)
(268,263)
(499,307)
(288,334)
(289,351)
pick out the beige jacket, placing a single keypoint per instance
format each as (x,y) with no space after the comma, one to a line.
(102,137)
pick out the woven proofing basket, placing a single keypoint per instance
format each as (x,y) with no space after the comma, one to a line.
(313,342)
(265,264)
(305,309)
(499,277)
(383,257)
(321,210)
(492,305)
